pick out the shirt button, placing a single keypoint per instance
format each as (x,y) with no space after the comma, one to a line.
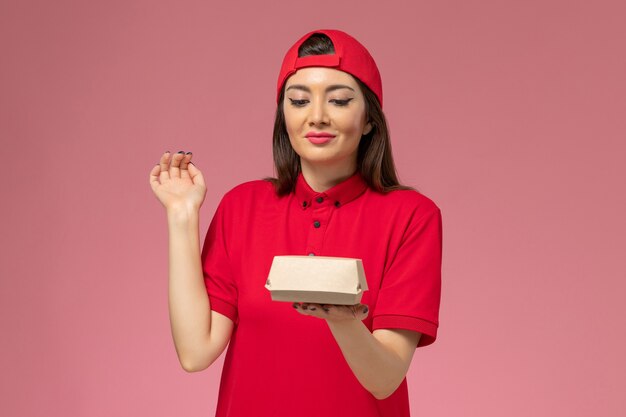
(316,223)
(336,203)
(319,199)
(311,254)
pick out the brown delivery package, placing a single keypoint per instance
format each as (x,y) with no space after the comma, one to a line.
(316,279)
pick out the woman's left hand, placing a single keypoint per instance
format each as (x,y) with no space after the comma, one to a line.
(333,312)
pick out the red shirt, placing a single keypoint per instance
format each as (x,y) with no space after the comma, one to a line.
(281,363)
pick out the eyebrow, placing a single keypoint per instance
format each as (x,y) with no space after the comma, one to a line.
(328,89)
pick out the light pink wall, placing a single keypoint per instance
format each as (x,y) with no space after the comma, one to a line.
(509,114)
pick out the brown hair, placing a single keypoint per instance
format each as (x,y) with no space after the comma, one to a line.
(374,158)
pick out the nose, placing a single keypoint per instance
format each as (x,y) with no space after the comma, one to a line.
(318,113)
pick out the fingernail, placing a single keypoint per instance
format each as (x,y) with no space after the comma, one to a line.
(188,153)
(295,305)
(167,151)
(304,306)
(312,308)
(181,151)
(325,309)
(365,310)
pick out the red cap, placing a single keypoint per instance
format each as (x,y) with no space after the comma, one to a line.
(350,56)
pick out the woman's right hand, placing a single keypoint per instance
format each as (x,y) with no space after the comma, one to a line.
(179,185)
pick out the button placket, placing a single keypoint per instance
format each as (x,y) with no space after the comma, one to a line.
(320,215)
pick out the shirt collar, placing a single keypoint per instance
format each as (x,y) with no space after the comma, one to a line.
(338,195)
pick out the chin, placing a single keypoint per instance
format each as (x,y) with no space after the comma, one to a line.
(322,161)
(317,161)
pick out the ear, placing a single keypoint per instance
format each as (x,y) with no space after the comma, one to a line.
(368,128)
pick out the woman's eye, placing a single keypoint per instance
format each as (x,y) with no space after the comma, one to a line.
(341,102)
(297,103)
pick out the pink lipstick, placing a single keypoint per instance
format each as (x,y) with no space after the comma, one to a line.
(319,138)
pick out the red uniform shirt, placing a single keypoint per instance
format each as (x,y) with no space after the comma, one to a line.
(280,363)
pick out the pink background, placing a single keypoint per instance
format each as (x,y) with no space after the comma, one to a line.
(510,115)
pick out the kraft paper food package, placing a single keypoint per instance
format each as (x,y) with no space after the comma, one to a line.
(316,279)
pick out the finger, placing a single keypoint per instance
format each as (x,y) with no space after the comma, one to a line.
(355,311)
(302,307)
(316,310)
(298,307)
(183,165)
(164,163)
(175,166)
(312,309)
(154,177)
(360,309)
(195,174)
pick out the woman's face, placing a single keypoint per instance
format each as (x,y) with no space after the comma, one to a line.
(325,100)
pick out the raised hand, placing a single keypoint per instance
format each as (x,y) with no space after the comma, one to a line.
(177,183)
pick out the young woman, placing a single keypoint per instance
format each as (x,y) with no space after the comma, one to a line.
(336,194)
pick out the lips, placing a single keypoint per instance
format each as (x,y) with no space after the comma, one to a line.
(319,135)
(319,138)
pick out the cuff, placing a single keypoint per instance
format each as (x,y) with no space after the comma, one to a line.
(223,307)
(427,328)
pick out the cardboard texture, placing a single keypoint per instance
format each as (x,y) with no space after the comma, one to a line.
(316,279)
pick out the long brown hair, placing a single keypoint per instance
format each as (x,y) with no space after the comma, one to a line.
(374,157)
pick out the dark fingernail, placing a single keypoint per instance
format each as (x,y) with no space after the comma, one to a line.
(304,306)
(181,151)
(188,153)
(312,308)
(325,309)
(365,310)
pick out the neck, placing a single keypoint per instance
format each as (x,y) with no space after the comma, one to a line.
(322,177)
